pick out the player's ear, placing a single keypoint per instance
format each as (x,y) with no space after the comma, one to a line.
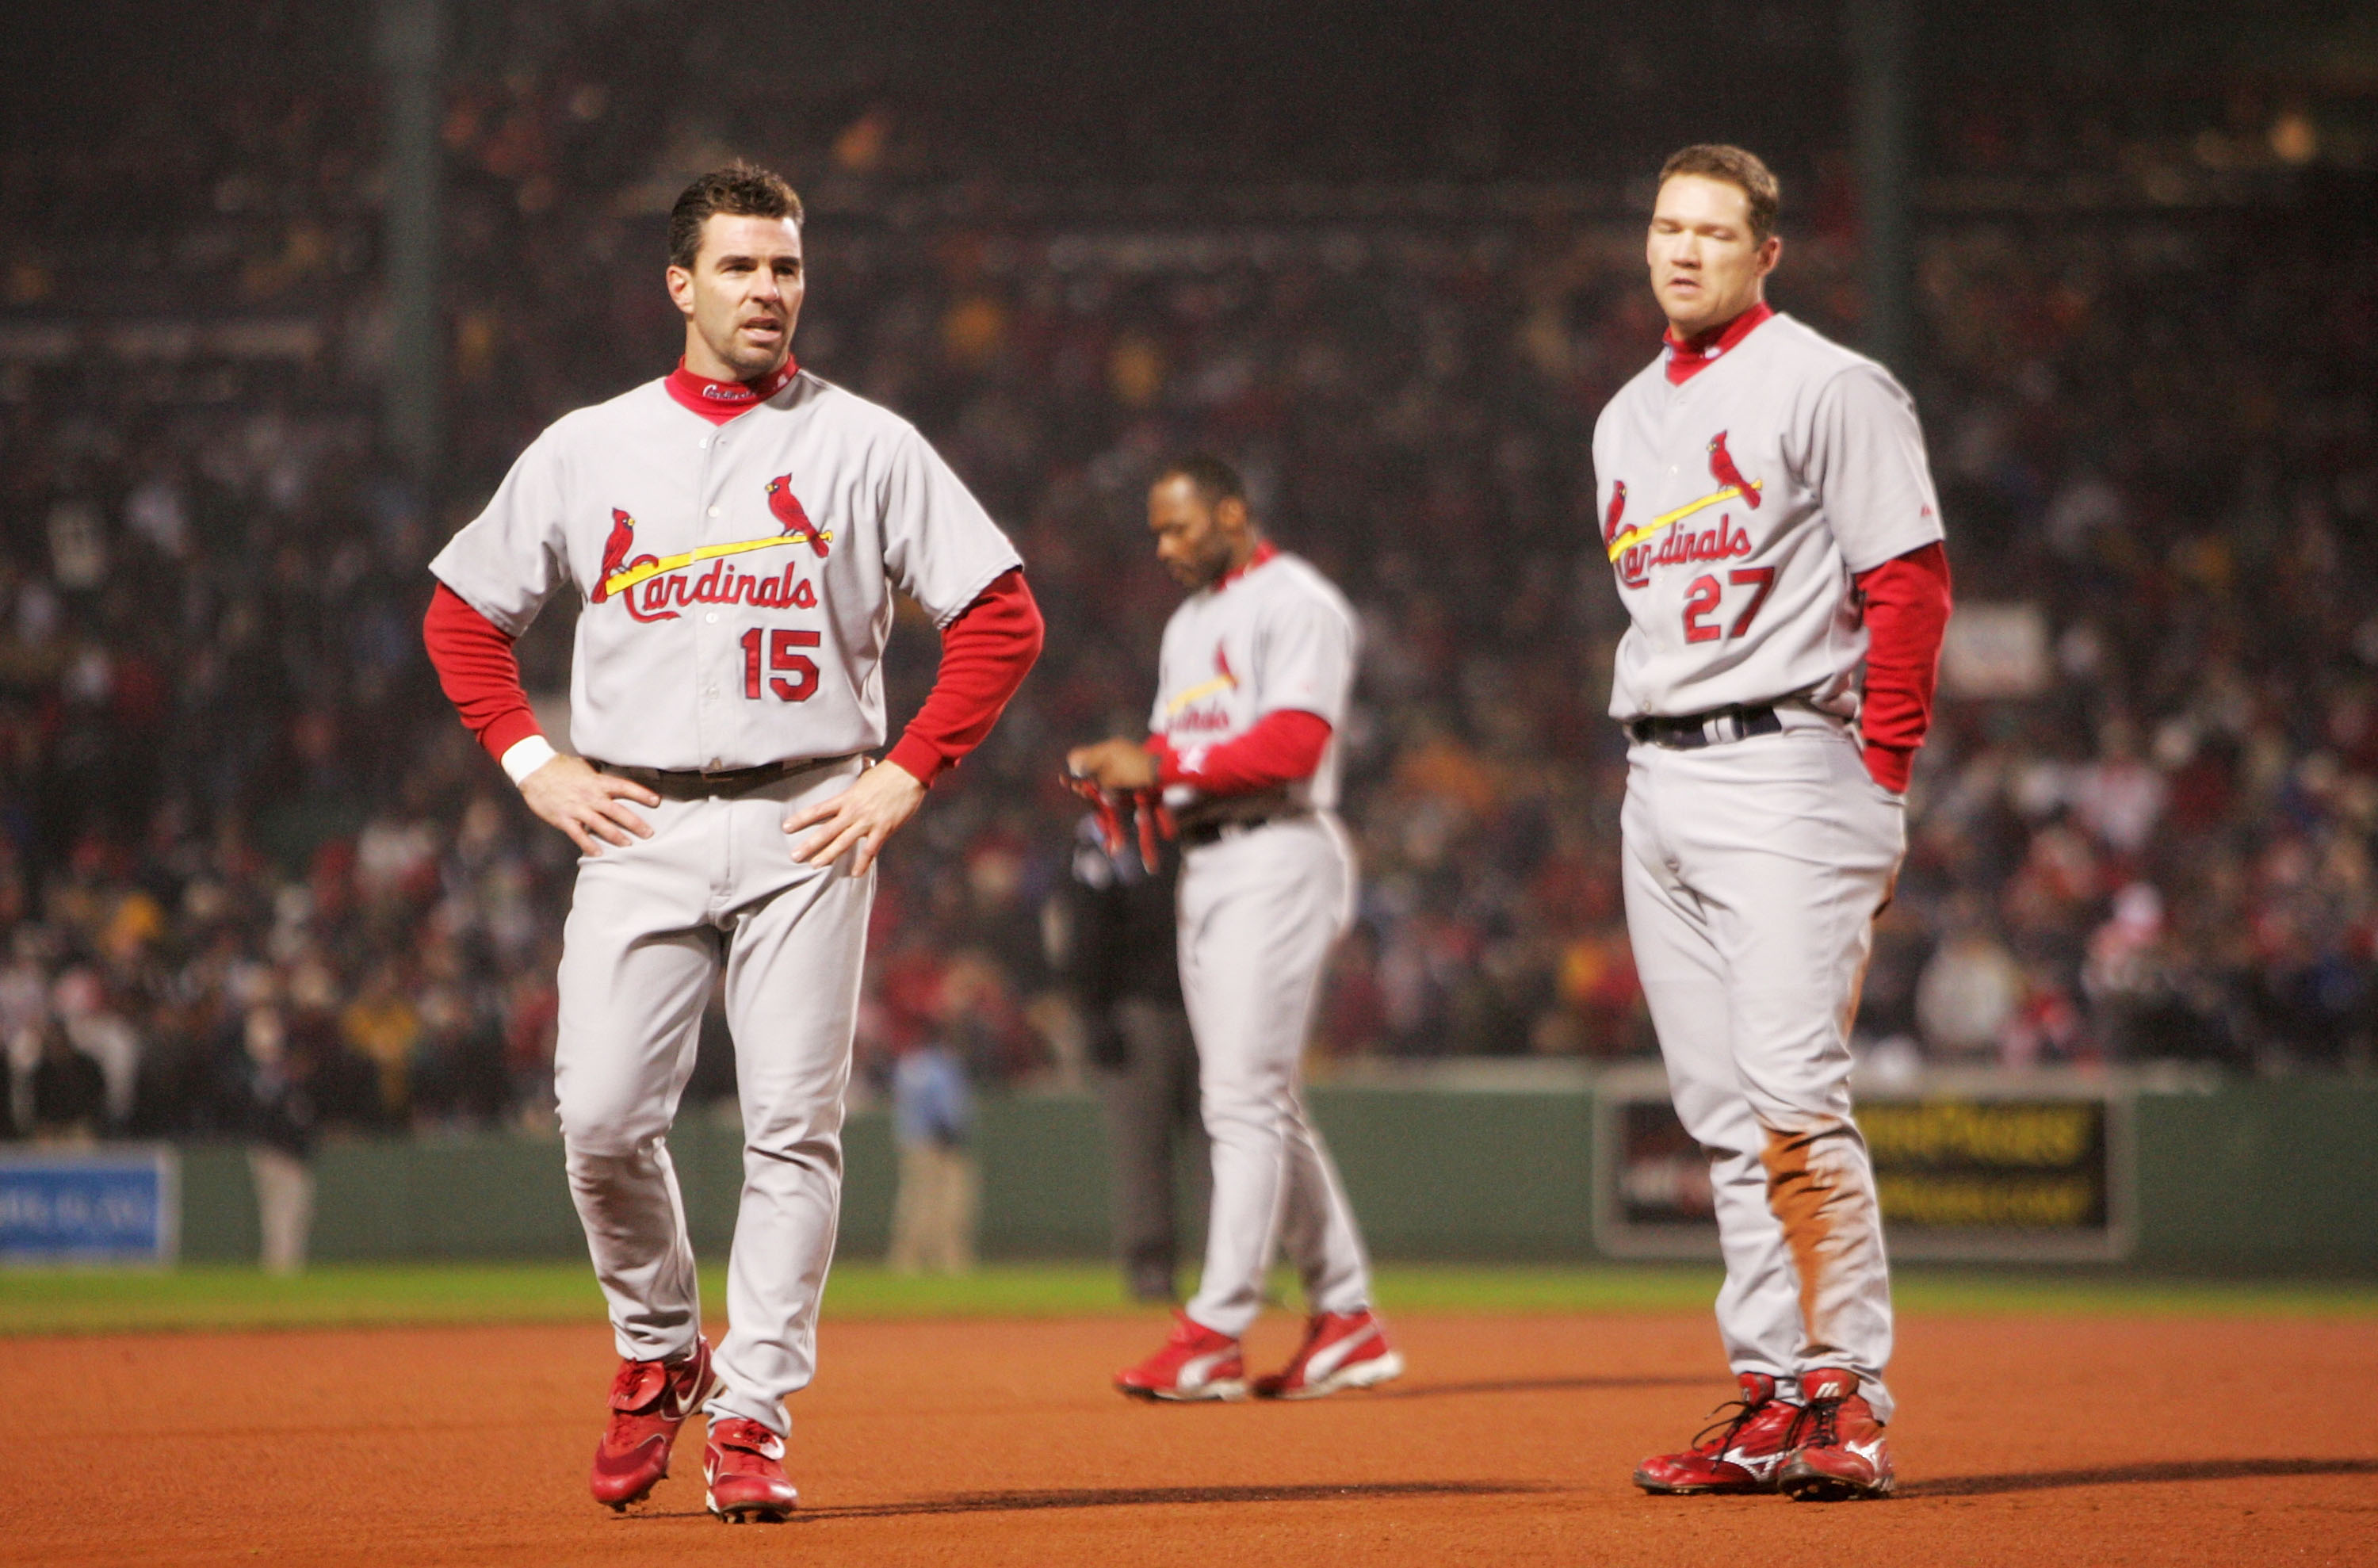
(681,289)
(1231,515)
(1769,252)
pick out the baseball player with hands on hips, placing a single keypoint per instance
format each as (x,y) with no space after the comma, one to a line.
(1765,506)
(736,530)
(1254,677)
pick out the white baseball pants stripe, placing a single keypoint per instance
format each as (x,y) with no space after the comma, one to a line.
(1260,910)
(1753,873)
(650,927)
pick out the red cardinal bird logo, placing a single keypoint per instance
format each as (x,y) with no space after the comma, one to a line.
(786,507)
(1617,509)
(1723,470)
(615,553)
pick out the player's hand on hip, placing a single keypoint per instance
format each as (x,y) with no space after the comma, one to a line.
(1116,765)
(588,806)
(863,816)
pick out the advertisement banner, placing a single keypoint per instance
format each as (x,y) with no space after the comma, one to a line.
(1969,1167)
(105,1205)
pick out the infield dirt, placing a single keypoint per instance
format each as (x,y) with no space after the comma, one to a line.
(2021,1440)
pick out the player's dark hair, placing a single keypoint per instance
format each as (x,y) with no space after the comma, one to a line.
(1738,167)
(740,190)
(1214,481)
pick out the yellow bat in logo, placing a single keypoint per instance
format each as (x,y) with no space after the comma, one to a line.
(1636,535)
(621,581)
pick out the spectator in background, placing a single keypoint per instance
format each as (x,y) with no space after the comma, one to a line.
(1968,994)
(105,1035)
(933,1212)
(68,1091)
(277,1120)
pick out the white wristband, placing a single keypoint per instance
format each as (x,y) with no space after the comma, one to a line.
(524,757)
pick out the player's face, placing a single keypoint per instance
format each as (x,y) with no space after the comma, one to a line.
(1706,267)
(1191,539)
(742,296)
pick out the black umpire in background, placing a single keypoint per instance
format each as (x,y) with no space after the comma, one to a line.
(1111,937)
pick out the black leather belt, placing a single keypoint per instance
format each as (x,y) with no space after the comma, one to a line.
(1711,729)
(1197,835)
(695,784)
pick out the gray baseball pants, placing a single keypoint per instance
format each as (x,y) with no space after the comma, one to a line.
(1754,870)
(651,927)
(1260,909)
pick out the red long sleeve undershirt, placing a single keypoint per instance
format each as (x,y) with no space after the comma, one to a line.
(477,668)
(1281,748)
(986,653)
(1907,602)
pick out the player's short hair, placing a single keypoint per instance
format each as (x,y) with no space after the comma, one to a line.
(1738,167)
(740,190)
(1214,481)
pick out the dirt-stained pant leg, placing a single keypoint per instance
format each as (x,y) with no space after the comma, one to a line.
(1259,911)
(1781,850)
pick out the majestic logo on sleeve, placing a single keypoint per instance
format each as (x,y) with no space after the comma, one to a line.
(654,587)
(1629,549)
(1176,711)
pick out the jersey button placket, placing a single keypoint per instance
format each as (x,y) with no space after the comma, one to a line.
(711,725)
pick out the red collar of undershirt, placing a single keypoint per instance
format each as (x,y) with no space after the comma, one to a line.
(1688,360)
(720,401)
(1264,552)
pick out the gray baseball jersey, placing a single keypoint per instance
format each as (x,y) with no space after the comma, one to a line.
(739,578)
(1276,635)
(1734,510)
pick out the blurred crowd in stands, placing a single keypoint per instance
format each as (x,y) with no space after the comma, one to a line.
(255,881)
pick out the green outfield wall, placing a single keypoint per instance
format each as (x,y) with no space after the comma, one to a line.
(2250,1177)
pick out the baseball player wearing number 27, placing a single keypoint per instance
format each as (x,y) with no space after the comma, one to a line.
(1767,508)
(736,530)
(1252,682)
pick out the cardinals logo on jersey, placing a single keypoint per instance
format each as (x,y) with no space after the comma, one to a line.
(615,554)
(1723,470)
(664,582)
(1224,679)
(786,509)
(1732,486)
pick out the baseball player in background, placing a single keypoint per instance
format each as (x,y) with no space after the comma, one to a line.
(1765,506)
(736,530)
(1253,680)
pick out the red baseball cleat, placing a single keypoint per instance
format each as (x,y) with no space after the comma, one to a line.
(649,1400)
(1841,1451)
(743,1467)
(1341,1350)
(1735,1454)
(1196,1363)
